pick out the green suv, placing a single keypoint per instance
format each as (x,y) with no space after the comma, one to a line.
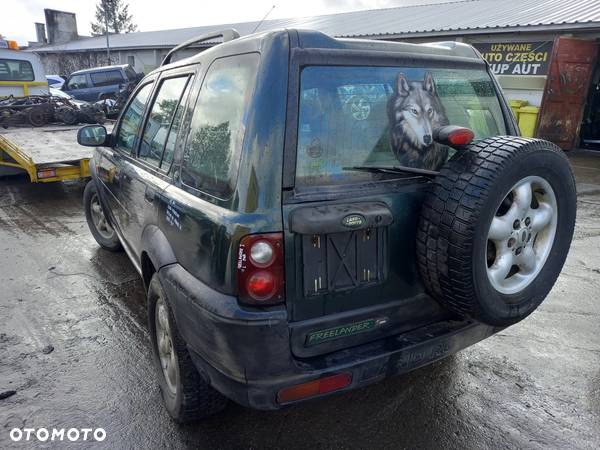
(311,215)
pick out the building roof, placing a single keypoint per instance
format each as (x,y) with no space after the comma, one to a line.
(453,17)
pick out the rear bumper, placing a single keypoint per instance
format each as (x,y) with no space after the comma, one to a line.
(246,354)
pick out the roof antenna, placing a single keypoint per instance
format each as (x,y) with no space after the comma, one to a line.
(263,19)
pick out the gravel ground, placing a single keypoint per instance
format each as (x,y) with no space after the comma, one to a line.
(74,348)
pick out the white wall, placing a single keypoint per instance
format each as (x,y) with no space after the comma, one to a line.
(148,60)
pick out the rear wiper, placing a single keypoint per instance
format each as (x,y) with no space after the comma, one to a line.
(395,169)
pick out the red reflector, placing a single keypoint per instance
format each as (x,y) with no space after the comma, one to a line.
(461,136)
(261,285)
(314,388)
(47,173)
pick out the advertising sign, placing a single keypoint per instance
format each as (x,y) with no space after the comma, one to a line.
(517,58)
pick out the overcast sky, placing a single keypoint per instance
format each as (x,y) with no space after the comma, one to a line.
(16,20)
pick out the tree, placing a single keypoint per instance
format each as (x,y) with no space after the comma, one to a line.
(119,19)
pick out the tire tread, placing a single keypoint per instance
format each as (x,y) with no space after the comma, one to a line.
(450,213)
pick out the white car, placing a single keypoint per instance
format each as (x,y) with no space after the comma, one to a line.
(58,93)
(55,81)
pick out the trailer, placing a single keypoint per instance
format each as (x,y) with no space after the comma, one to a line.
(46,154)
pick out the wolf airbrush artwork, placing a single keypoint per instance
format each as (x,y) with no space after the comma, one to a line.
(414,111)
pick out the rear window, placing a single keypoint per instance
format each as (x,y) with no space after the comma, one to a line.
(385,116)
(211,159)
(15,70)
(106,78)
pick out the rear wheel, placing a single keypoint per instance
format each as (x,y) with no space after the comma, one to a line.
(496,227)
(186,395)
(103,232)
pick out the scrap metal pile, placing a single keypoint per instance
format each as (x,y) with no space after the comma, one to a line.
(39,110)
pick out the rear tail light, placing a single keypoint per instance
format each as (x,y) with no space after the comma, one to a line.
(453,135)
(314,388)
(46,173)
(260,269)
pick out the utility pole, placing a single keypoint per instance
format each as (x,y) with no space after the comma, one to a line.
(105,5)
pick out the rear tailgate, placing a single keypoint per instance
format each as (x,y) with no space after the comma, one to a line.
(351,271)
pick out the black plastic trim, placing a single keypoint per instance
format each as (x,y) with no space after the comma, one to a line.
(330,218)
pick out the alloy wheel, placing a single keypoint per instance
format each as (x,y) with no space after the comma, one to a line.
(521,235)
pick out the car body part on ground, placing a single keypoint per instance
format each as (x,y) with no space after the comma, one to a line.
(41,110)
(289,276)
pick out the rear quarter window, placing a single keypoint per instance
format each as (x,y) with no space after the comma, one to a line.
(213,147)
(106,78)
(385,116)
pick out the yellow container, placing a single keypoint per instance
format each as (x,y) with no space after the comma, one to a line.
(528,116)
(515,105)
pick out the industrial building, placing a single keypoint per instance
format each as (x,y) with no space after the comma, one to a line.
(544,52)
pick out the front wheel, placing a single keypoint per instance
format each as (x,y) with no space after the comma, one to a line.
(103,232)
(186,394)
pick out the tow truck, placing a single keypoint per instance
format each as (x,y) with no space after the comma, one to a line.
(48,153)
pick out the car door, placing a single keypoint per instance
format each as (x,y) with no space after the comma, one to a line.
(111,162)
(147,172)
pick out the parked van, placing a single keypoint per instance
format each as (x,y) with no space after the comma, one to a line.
(21,73)
(100,83)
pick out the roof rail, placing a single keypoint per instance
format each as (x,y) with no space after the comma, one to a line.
(228,34)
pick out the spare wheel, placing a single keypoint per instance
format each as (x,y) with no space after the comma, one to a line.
(496,227)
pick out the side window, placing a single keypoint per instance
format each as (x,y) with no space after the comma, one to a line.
(132,118)
(159,121)
(77,82)
(174,132)
(211,158)
(106,78)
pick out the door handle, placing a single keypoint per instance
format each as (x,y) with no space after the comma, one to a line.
(150,195)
